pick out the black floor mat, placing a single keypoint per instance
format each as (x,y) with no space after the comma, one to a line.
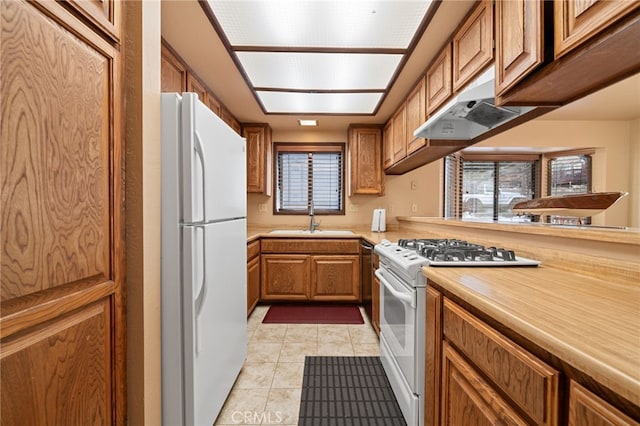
(347,391)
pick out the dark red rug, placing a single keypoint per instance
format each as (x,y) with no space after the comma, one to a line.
(313,314)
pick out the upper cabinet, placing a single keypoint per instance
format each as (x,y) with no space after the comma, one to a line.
(540,50)
(519,48)
(473,45)
(258,157)
(173,73)
(416,114)
(399,134)
(439,84)
(387,142)
(365,160)
(176,76)
(577,21)
(104,14)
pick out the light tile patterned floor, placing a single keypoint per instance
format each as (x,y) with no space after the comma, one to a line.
(267,391)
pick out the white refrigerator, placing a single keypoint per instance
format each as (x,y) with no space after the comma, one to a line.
(204,260)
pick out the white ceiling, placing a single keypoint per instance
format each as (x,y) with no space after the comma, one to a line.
(188,30)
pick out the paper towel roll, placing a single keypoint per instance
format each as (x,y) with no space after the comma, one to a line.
(378,223)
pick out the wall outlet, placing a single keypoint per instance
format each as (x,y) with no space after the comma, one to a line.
(414,208)
(262,207)
(390,208)
(414,185)
(353,207)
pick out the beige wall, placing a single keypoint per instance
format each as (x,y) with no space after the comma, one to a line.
(616,162)
(142,159)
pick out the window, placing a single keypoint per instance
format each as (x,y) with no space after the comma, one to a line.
(309,175)
(569,173)
(487,187)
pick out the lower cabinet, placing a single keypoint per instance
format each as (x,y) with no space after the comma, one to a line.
(335,278)
(588,409)
(475,375)
(253,275)
(310,269)
(285,277)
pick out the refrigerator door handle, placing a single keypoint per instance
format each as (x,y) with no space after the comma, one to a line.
(197,146)
(202,293)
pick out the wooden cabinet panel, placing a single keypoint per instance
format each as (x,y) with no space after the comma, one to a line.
(253,283)
(528,381)
(587,409)
(60,372)
(214,104)
(473,45)
(365,161)
(285,277)
(258,138)
(253,249)
(577,21)
(194,85)
(105,14)
(173,73)
(310,245)
(467,399)
(228,118)
(519,40)
(433,353)
(335,278)
(62,225)
(375,304)
(416,115)
(439,84)
(387,144)
(399,134)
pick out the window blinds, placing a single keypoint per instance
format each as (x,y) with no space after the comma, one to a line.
(309,177)
(570,174)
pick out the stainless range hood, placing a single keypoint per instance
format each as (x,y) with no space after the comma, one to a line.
(471,113)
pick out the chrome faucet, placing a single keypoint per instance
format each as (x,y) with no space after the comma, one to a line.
(312,222)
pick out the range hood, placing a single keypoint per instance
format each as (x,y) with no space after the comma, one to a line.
(471,113)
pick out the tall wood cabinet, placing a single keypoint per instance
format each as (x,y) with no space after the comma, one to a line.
(365,160)
(62,260)
(258,137)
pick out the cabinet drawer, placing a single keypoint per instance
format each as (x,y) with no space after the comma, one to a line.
(310,245)
(529,382)
(253,249)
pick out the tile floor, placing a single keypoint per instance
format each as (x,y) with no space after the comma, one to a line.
(267,391)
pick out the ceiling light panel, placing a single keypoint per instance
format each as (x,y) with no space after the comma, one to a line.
(319,71)
(319,103)
(320,23)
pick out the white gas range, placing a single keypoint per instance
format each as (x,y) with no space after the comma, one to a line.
(403,307)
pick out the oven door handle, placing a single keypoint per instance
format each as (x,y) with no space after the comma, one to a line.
(404,297)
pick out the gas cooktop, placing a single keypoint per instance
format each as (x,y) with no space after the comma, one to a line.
(450,252)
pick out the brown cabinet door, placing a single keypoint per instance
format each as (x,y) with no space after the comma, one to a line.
(213,104)
(335,278)
(173,73)
(588,409)
(194,85)
(253,283)
(285,277)
(467,399)
(416,115)
(365,161)
(473,45)
(577,21)
(228,118)
(61,266)
(519,40)
(105,14)
(399,134)
(433,353)
(439,86)
(375,304)
(258,138)
(387,144)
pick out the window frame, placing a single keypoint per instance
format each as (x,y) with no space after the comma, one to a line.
(297,147)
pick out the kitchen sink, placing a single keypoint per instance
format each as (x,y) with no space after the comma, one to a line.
(316,232)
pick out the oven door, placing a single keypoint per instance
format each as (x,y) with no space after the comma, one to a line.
(398,306)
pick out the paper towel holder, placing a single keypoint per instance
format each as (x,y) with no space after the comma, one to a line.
(378,221)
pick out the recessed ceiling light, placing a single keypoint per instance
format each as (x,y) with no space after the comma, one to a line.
(310,123)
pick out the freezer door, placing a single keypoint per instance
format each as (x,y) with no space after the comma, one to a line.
(213,165)
(214,314)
